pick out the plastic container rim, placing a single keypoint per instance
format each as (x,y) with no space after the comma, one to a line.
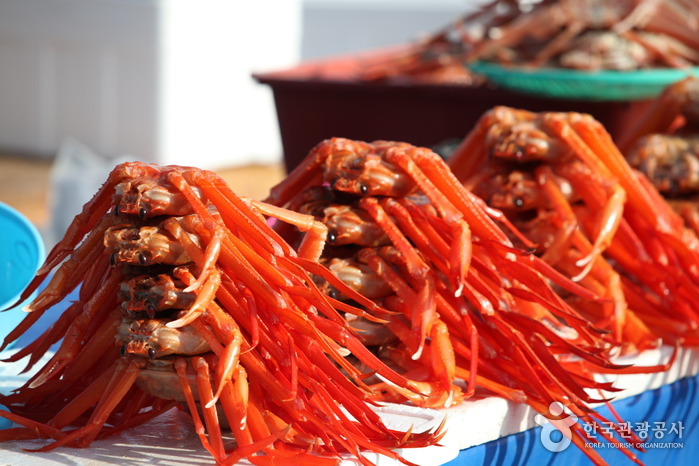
(16,216)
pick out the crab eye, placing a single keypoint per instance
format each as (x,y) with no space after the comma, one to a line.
(151,353)
(364,189)
(518,202)
(122,351)
(142,213)
(150,310)
(332,236)
(143,260)
(112,259)
(117,210)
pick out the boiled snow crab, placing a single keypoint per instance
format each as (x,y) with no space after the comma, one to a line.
(469,310)
(560,178)
(664,33)
(663,144)
(576,34)
(188,296)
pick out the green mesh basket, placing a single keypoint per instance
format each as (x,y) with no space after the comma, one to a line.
(570,84)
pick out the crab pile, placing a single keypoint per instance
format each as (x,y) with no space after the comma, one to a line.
(466,304)
(520,269)
(663,144)
(187,296)
(575,34)
(563,182)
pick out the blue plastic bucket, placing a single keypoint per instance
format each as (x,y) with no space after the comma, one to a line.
(21,254)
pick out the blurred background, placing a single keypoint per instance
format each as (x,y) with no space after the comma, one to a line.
(86,84)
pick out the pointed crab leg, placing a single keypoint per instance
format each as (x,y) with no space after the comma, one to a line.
(422,300)
(92,212)
(468,157)
(652,208)
(121,381)
(415,265)
(71,272)
(181,368)
(301,177)
(312,245)
(239,212)
(97,308)
(210,416)
(660,115)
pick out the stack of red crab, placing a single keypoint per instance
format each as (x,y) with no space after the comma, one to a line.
(386,278)
(575,34)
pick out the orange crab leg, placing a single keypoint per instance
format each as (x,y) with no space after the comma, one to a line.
(95,348)
(92,213)
(453,201)
(94,309)
(228,364)
(239,214)
(307,173)
(159,407)
(205,295)
(317,269)
(442,359)
(121,381)
(609,216)
(343,337)
(71,272)
(246,451)
(652,208)
(32,429)
(181,368)
(465,324)
(423,310)
(312,245)
(468,157)
(234,399)
(418,230)
(567,225)
(210,415)
(54,333)
(231,259)
(213,247)
(659,116)
(415,265)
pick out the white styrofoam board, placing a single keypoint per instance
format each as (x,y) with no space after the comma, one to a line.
(170,439)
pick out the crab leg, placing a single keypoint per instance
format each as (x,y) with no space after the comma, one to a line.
(73,270)
(239,214)
(468,157)
(415,265)
(94,309)
(232,260)
(612,211)
(652,208)
(121,381)
(301,177)
(38,347)
(92,213)
(660,115)
(432,172)
(210,415)
(313,242)
(213,248)
(423,310)
(181,368)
